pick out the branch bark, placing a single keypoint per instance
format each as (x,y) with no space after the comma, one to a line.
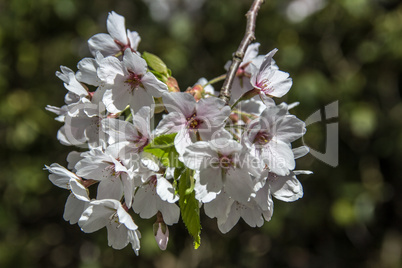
(241,50)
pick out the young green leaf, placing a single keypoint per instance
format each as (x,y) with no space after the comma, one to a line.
(189,208)
(163,148)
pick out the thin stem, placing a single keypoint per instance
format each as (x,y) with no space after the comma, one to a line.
(239,54)
(246,114)
(215,80)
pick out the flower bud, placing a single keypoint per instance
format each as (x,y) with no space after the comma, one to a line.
(161,233)
(197,91)
(172,84)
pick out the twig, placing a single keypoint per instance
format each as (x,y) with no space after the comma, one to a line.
(239,54)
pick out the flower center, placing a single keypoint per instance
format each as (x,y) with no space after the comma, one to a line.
(226,162)
(265,86)
(140,141)
(153,180)
(193,123)
(134,80)
(262,137)
(123,47)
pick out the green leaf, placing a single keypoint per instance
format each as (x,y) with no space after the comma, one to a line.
(163,148)
(177,173)
(155,63)
(189,208)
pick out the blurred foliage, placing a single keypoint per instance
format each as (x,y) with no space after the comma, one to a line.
(351,51)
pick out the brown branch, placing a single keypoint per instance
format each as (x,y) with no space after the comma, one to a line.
(239,54)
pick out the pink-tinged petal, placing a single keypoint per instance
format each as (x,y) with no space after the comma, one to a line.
(212,178)
(134,239)
(251,214)
(266,65)
(70,82)
(263,199)
(281,84)
(239,185)
(104,44)
(87,169)
(110,189)
(109,68)
(134,39)
(128,189)
(116,27)
(251,52)
(302,172)
(226,146)
(73,209)
(60,176)
(119,130)
(87,72)
(153,86)
(145,202)
(226,224)
(94,218)
(166,191)
(79,190)
(171,123)
(219,207)
(116,235)
(279,157)
(285,188)
(170,212)
(201,192)
(116,99)
(134,62)
(141,99)
(212,112)
(142,119)
(125,218)
(183,139)
(268,214)
(300,151)
(196,153)
(72,158)
(290,129)
(180,102)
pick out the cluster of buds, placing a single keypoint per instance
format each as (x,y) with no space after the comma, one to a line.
(229,159)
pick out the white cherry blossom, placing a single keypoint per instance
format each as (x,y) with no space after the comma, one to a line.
(118,39)
(268,80)
(192,120)
(78,199)
(157,194)
(269,138)
(128,83)
(224,164)
(109,213)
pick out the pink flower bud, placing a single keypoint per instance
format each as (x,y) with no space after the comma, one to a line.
(161,234)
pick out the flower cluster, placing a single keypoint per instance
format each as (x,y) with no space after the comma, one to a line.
(229,159)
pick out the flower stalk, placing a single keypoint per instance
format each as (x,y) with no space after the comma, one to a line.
(241,50)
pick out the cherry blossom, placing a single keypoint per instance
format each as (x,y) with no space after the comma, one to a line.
(128,82)
(120,226)
(232,157)
(118,39)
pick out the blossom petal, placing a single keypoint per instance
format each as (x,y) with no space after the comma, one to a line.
(116,27)
(73,209)
(103,43)
(181,102)
(153,86)
(286,188)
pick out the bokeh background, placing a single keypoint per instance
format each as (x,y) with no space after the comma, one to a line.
(340,50)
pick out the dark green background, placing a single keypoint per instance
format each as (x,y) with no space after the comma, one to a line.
(350,51)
